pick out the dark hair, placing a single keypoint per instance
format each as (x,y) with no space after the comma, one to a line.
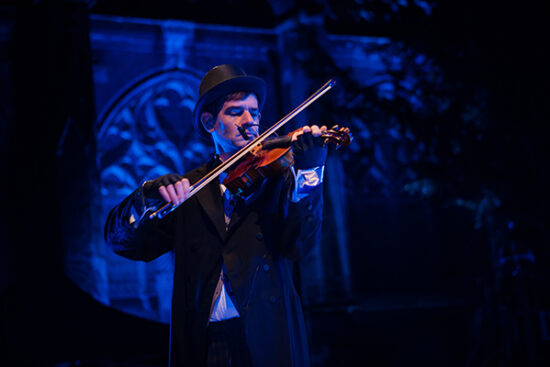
(215,107)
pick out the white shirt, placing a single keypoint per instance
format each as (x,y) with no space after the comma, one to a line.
(305,181)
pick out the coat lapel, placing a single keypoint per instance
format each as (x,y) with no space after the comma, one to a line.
(237,215)
(211,201)
(243,207)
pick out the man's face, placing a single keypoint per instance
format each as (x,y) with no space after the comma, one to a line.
(232,115)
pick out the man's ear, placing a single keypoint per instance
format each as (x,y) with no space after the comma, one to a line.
(207,120)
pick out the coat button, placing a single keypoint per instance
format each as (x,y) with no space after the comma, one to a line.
(266,267)
(310,207)
(309,218)
(272,299)
(259,236)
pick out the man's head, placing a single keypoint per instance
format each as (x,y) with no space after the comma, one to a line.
(232,121)
(229,99)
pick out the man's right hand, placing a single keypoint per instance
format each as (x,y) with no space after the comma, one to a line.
(171,187)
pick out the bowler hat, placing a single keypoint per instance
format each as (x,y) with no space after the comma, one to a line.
(222,80)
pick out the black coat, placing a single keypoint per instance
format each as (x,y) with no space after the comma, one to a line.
(264,238)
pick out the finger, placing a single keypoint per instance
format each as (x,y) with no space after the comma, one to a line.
(178,186)
(297,134)
(303,130)
(172,194)
(323,129)
(164,194)
(315,131)
(186,185)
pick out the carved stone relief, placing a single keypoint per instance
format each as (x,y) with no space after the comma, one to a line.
(146,132)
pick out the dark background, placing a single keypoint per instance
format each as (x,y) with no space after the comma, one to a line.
(450,263)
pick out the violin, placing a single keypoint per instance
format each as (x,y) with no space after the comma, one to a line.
(257,145)
(272,157)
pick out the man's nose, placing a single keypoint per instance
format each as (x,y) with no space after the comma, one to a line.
(246,118)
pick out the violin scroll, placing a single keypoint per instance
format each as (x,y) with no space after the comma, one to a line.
(340,136)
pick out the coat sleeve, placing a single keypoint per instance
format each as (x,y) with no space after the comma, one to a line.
(302,220)
(138,238)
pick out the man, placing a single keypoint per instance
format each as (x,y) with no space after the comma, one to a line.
(234,302)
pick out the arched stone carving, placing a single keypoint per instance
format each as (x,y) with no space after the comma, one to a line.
(146,132)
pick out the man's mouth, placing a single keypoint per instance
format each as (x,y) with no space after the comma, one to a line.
(247,134)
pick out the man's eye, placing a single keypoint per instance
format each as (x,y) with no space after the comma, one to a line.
(239,112)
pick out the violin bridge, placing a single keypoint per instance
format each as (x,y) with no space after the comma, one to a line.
(256,149)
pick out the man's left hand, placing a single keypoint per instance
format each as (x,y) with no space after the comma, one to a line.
(308,148)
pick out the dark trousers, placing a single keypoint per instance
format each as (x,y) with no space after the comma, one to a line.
(227,344)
